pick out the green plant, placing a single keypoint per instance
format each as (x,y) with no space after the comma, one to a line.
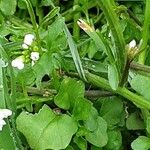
(75,77)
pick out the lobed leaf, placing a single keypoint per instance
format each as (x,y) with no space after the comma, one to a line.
(46,130)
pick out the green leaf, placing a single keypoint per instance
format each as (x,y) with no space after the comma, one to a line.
(81,142)
(134,122)
(148,125)
(26,76)
(141,143)
(46,2)
(91,123)
(113,76)
(99,136)
(117,34)
(42,68)
(70,91)
(111,110)
(9,7)
(46,130)
(54,30)
(141,84)
(74,53)
(81,109)
(69,148)
(95,148)
(114,140)
(6,134)
(92,49)
(50,15)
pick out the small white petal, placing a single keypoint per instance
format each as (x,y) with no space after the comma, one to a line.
(2,123)
(1,127)
(18,62)
(25,46)
(4,113)
(3,63)
(109,35)
(132,44)
(28,39)
(32,63)
(35,56)
(20,66)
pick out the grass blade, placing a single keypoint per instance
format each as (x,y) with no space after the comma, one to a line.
(117,35)
(75,54)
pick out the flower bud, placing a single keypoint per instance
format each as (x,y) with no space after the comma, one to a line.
(35,56)
(4,113)
(28,39)
(18,62)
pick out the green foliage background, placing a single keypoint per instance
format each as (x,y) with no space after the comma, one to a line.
(89,89)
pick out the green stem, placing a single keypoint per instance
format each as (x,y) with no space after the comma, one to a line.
(103,83)
(145,33)
(117,35)
(6,100)
(33,20)
(76,29)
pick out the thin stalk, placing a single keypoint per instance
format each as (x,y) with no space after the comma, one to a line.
(75,54)
(143,47)
(140,68)
(6,101)
(145,33)
(103,83)
(117,36)
(73,49)
(33,20)
(76,29)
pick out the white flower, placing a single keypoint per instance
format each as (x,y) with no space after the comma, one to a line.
(28,39)
(35,56)
(109,34)
(2,123)
(32,63)
(132,44)
(18,63)
(25,46)
(4,113)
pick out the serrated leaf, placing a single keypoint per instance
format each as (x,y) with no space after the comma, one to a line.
(134,122)
(141,143)
(70,91)
(46,130)
(9,7)
(111,110)
(141,84)
(99,136)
